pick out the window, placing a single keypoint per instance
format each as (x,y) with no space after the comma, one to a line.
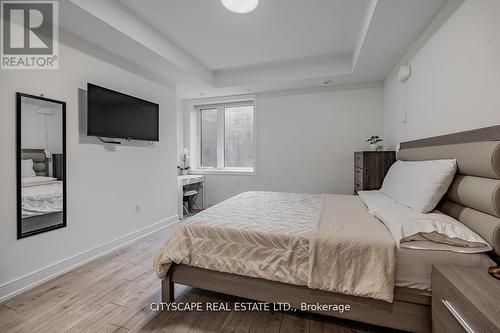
(208,133)
(226,139)
(238,137)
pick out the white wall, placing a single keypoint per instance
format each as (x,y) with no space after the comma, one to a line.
(33,128)
(305,141)
(180,124)
(104,185)
(455,84)
(39,131)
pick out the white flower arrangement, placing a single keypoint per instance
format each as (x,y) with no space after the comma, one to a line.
(184,161)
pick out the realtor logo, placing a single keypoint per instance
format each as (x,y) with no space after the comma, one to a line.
(29,35)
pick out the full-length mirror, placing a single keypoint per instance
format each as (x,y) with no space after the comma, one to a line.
(41,166)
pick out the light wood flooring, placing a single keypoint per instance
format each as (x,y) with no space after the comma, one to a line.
(114,293)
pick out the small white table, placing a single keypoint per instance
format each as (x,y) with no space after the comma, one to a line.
(188,180)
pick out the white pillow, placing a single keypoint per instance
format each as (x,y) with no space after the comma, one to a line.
(27,168)
(407,225)
(374,199)
(419,185)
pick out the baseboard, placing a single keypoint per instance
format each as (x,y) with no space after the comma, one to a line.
(28,281)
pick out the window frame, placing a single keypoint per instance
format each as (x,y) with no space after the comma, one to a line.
(221,168)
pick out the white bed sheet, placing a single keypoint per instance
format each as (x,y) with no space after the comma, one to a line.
(414,266)
(42,199)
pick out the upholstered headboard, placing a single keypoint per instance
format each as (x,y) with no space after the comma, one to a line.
(40,161)
(474,196)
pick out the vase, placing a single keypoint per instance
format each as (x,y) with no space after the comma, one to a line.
(374,146)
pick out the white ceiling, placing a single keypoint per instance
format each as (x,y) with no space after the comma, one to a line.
(278,30)
(205,50)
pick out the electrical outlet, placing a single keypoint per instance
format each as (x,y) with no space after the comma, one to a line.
(138,207)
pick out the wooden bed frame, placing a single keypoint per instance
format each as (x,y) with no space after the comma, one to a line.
(410,311)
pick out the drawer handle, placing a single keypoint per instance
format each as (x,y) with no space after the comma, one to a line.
(458,317)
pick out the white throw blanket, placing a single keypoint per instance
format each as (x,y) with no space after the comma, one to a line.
(351,252)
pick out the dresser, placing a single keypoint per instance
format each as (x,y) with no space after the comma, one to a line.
(464,299)
(370,168)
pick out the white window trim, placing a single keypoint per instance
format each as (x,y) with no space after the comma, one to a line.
(220,103)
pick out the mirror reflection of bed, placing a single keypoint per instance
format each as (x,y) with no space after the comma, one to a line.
(41,165)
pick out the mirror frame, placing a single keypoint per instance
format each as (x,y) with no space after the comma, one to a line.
(18,167)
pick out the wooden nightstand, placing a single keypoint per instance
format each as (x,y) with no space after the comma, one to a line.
(464,299)
(370,168)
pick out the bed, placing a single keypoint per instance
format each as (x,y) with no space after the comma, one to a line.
(41,195)
(285,221)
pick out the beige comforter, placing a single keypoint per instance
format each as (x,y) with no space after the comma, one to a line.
(281,237)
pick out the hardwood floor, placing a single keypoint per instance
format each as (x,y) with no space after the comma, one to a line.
(114,293)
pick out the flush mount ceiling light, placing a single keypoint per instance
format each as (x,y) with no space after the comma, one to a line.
(240,6)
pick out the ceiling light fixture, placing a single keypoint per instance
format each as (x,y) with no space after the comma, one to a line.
(240,6)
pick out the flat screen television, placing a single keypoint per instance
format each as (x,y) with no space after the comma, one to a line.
(112,114)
